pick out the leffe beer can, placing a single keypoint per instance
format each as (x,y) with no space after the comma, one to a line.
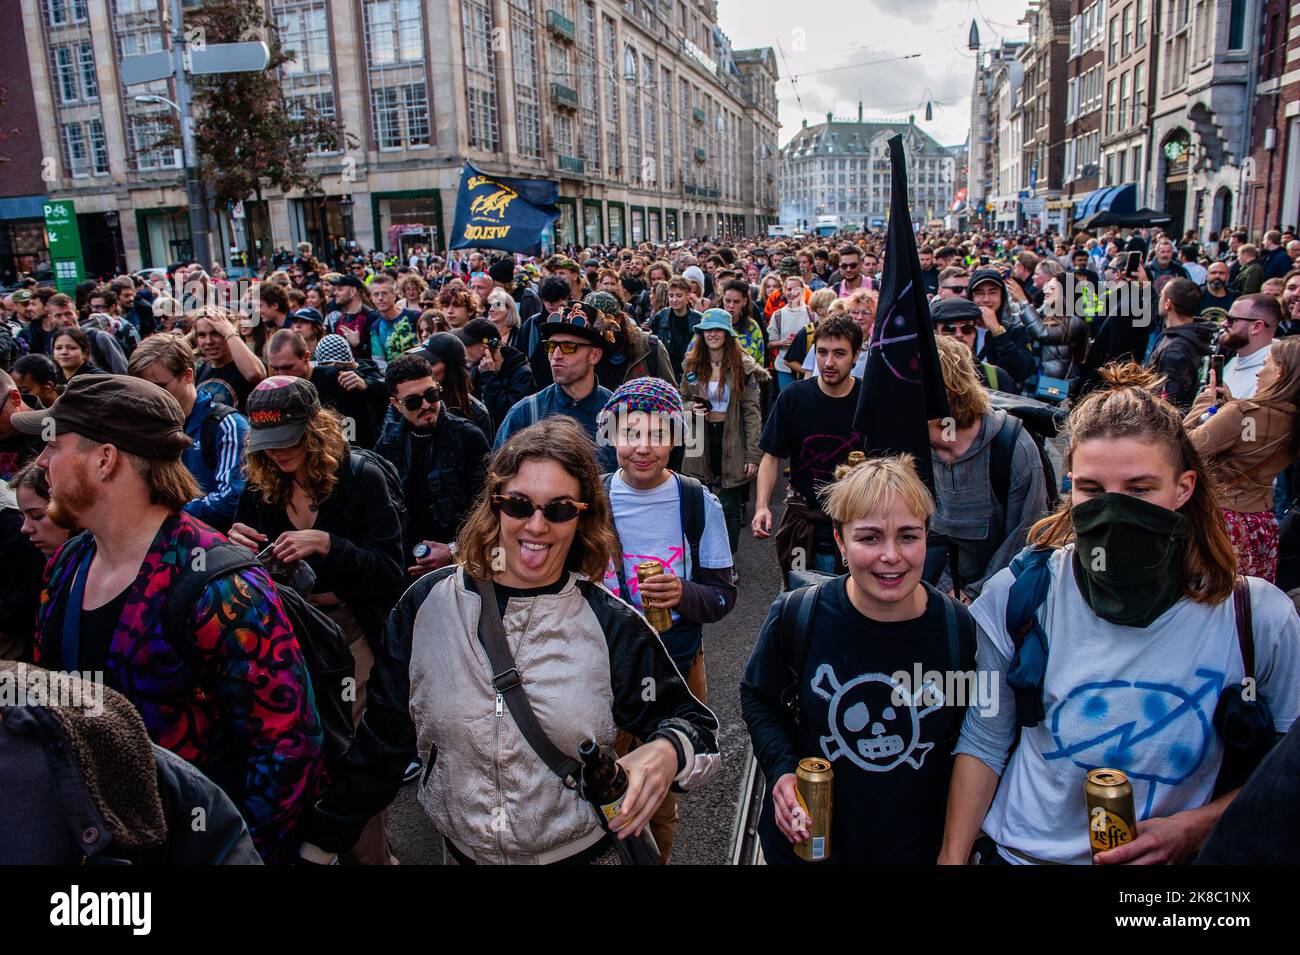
(1111,820)
(657,617)
(813,784)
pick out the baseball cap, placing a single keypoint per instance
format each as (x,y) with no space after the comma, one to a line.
(279,409)
(478,331)
(133,415)
(21,296)
(307,315)
(351,281)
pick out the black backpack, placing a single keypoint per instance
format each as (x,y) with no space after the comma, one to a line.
(391,478)
(1041,421)
(324,647)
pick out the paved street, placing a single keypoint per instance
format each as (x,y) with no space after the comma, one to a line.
(706,816)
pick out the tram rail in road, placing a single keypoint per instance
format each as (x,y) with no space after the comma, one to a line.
(745,848)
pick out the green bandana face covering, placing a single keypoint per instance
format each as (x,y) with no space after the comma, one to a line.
(1128,557)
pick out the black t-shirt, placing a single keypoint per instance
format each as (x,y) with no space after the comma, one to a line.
(813,430)
(891,763)
(95,631)
(504,593)
(226,384)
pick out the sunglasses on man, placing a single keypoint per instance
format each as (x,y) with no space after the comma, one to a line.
(521,508)
(958,289)
(566,348)
(957,328)
(430,396)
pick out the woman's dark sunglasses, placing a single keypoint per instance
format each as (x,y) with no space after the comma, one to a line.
(962,328)
(414,402)
(522,508)
(566,348)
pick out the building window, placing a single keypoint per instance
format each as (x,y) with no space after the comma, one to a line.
(74,73)
(1139,94)
(98,148)
(322,103)
(387,117)
(61,13)
(480,78)
(1110,107)
(613,149)
(147,130)
(1139,24)
(588,87)
(76,157)
(1126,31)
(415,103)
(305,32)
(528,116)
(1237,24)
(1113,39)
(394,31)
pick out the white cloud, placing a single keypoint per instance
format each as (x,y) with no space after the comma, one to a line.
(839,53)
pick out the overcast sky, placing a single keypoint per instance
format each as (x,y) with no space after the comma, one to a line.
(839,52)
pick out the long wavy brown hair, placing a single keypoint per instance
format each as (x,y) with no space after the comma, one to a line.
(1130,408)
(326,448)
(562,440)
(700,364)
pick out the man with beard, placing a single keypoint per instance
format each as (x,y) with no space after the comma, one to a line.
(1252,324)
(16,448)
(228,691)
(442,460)
(575,341)
(353,315)
(811,424)
(1216,293)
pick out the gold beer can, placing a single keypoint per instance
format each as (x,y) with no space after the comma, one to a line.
(1111,820)
(658,617)
(813,785)
(856,458)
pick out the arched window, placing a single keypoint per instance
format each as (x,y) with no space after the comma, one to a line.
(629,64)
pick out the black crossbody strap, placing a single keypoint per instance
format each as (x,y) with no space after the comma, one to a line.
(509,684)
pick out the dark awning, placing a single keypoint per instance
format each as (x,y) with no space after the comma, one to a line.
(1119,199)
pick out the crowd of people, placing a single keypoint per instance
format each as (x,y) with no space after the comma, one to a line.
(333,532)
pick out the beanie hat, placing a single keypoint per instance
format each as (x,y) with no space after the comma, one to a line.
(651,395)
(333,348)
(694,273)
(502,271)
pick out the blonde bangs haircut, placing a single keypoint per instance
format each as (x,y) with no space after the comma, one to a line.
(875,486)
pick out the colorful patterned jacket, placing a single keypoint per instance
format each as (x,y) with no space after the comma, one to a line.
(238,703)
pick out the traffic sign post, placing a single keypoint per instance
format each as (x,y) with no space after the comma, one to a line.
(179,63)
(64,241)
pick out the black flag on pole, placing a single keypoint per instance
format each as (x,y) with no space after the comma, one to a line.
(902,387)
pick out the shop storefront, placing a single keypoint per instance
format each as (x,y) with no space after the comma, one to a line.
(23,247)
(593,224)
(403,220)
(325,222)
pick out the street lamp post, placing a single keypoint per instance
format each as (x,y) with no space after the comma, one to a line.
(199,235)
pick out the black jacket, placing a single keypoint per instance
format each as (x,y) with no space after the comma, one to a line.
(112,797)
(499,390)
(1062,345)
(1178,356)
(363,408)
(676,333)
(365,565)
(458,469)
(1009,350)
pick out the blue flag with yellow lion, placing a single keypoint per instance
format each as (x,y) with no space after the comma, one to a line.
(494,212)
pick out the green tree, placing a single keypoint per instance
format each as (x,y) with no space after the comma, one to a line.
(246,136)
